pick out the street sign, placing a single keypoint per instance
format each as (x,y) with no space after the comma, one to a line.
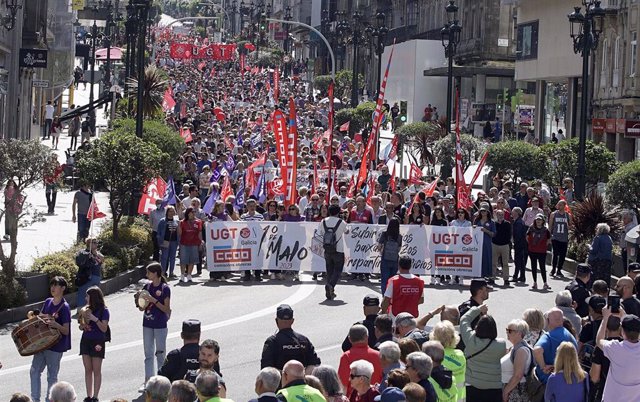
(279,35)
(34,58)
(40,84)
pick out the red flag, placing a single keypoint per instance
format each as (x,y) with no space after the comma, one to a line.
(280,134)
(201,65)
(371,189)
(317,141)
(226,189)
(200,100)
(415,175)
(94,212)
(242,63)
(291,194)
(566,207)
(331,117)
(316,179)
(378,114)
(431,187)
(345,126)
(153,191)
(394,147)
(185,133)
(251,181)
(463,192)
(392,181)
(167,101)
(357,137)
(212,73)
(351,190)
(183,110)
(275,187)
(228,143)
(483,160)
(276,83)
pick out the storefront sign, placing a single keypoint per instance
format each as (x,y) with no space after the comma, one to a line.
(610,126)
(621,125)
(34,58)
(598,125)
(233,246)
(633,129)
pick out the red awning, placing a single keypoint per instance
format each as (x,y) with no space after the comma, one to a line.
(116,53)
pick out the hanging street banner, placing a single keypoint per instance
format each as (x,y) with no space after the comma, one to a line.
(33,58)
(435,250)
(214,51)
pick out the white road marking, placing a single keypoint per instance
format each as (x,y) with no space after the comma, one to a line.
(305,290)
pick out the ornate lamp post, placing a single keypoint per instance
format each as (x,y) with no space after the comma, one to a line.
(450,35)
(379,32)
(94,36)
(354,32)
(585,32)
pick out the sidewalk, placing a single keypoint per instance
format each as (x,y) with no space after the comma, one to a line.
(57,232)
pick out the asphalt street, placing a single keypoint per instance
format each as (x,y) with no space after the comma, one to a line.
(240,316)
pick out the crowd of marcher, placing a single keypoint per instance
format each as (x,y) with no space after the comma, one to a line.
(584,349)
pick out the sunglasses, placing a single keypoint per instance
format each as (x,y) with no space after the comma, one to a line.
(352,376)
(510,331)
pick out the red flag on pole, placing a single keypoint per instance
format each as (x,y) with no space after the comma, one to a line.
(463,192)
(201,65)
(345,126)
(415,175)
(394,147)
(483,160)
(371,189)
(153,191)
(167,101)
(183,110)
(331,117)
(276,83)
(280,134)
(378,113)
(291,191)
(392,181)
(200,99)
(185,133)
(431,187)
(226,189)
(94,211)
(242,70)
(351,190)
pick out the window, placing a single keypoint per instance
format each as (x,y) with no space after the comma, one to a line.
(527,46)
(616,54)
(634,54)
(605,52)
(411,13)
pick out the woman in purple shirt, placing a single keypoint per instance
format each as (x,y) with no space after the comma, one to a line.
(94,324)
(155,317)
(569,382)
(293,215)
(57,315)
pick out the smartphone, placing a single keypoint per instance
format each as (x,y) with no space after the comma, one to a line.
(614,304)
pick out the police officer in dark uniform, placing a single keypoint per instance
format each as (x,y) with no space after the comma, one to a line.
(580,290)
(479,293)
(287,344)
(183,363)
(371,308)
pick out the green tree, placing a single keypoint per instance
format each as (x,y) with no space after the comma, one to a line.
(343,85)
(420,138)
(154,85)
(522,159)
(445,150)
(623,188)
(124,163)
(164,137)
(25,162)
(600,162)
(321,83)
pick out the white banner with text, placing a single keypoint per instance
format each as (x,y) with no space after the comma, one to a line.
(435,250)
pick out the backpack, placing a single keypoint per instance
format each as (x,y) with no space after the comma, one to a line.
(85,126)
(84,269)
(391,250)
(588,348)
(329,238)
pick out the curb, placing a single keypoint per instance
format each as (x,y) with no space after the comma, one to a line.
(108,286)
(570,265)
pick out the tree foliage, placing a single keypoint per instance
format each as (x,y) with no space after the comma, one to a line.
(342,88)
(600,162)
(124,163)
(154,85)
(420,137)
(623,188)
(591,211)
(471,147)
(321,84)
(25,162)
(164,137)
(520,158)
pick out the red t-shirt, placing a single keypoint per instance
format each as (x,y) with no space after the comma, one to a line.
(407,293)
(359,351)
(190,232)
(360,217)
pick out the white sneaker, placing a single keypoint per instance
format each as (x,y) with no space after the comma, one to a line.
(182,278)
(189,278)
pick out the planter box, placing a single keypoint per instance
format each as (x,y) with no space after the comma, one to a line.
(36,285)
(108,286)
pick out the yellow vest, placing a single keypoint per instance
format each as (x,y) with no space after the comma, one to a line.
(445,395)
(455,361)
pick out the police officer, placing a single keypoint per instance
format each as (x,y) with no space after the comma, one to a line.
(579,289)
(287,344)
(183,363)
(479,293)
(371,308)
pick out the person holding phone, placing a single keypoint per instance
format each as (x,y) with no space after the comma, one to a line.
(625,287)
(623,382)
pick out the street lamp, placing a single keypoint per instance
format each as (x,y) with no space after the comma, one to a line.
(379,32)
(94,36)
(354,32)
(234,5)
(285,44)
(130,34)
(585,32)
(142,7)
(450,35)
(9,20)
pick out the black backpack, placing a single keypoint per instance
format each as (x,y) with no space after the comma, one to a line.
(329,238)
(84,269)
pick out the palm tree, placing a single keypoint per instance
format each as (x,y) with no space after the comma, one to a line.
(153,89)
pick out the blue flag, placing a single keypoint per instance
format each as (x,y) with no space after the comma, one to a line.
(240,195)
(211,201)
(256,140)
(230,164)
(240,140)
(170,195)
(215,176)
(258,192)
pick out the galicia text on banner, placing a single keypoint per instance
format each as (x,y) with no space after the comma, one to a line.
(435,250)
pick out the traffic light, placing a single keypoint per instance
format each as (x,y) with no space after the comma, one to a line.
(402,116)
(263,25)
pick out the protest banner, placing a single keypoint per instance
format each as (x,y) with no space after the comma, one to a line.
(435,250)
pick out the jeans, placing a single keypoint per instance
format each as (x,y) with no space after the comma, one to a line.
(168,257)
(51,192)
(47,128)
(388,269)
(155,342)
(520,261)
(83,227)
(156,246)
(74,142)
(540,259)
(82,290)
(334,266)
(50,360)
(559,253)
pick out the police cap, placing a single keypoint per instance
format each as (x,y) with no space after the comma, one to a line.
(284,312)
(371,300)
(583,269)
(191,327)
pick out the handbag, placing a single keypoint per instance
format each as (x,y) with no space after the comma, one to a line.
(533,386)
